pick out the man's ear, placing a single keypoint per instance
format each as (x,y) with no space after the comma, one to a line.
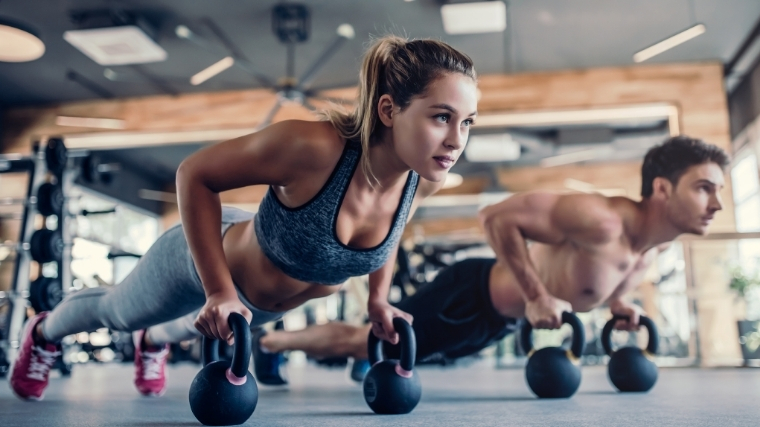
(662,188)
(385,109)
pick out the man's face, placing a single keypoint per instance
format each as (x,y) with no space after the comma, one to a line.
(695,199)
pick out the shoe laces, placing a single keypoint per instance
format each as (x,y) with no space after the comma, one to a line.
(41,362)
(153,362)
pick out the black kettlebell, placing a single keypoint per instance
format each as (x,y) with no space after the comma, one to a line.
(225,393)
(554,371)
(391,386)
(631,368)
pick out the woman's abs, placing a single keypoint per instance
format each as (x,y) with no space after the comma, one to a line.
(265,285)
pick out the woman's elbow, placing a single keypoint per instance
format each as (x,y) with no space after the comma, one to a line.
(187,173)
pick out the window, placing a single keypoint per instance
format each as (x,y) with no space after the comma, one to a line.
(745,182)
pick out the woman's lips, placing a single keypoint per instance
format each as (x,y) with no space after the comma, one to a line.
(444,161)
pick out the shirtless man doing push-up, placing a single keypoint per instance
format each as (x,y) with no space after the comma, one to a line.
(587,250)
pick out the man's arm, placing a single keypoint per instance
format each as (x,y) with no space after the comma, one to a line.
(583,219)
(620,306)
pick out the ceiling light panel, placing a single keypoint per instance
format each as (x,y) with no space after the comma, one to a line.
(474,18)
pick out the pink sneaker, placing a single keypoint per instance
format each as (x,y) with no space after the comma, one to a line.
(150,368)
(30,372)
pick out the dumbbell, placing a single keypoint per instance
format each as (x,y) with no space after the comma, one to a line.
(56,156)
(48,201)
(554,372)
(44,246)
(45,293)
(631,368)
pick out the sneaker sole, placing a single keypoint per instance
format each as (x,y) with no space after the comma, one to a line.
(13,366)
(152,394)
(30,398)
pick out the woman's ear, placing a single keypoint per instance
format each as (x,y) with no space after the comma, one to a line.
(385,109)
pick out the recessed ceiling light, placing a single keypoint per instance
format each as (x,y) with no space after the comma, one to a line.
(474,18)
(669,43)
(19,44)
(346,31)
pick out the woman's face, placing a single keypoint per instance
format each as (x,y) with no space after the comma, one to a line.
(431,133)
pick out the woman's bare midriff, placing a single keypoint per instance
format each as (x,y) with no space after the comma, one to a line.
(262,283)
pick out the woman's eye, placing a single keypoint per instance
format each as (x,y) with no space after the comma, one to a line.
(468,122)
(443,118)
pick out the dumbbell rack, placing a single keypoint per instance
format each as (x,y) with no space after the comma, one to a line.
(41,161)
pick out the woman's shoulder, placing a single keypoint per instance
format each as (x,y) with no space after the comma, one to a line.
(314,144)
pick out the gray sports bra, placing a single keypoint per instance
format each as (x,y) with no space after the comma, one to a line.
(302,241)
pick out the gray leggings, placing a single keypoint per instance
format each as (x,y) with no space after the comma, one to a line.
(163,294)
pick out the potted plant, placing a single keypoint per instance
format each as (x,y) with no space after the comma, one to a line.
(747,288)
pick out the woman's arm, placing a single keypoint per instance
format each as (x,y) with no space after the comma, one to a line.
(379,310)
(277,155)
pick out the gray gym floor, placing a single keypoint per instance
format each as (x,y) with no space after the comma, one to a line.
(102,395)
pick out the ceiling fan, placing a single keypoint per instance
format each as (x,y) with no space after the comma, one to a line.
(291,25)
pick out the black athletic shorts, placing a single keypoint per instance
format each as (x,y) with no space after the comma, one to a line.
(453,314)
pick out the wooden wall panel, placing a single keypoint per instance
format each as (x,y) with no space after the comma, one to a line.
(203,111)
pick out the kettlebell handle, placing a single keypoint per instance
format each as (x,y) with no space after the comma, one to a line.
(407,341)
(242,352)
(579,334)
(644,321)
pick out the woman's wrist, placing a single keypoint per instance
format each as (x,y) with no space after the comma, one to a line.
(227,291)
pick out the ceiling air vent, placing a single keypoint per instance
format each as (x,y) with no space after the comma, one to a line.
(116,37)
(116,45)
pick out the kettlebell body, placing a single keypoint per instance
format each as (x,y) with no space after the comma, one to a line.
(224,393)
(382,377)
(554,372)
(547,365)
(631,369)
(392,386)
